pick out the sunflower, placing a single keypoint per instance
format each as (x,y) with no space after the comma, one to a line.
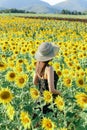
(65,53)
(59,72)
(3,66)
(84,47)
(65,72)
(3,57)
(81,73)
(25,119)
(67,81)
(72,74)
(10,111)
(13,47)
(10,76)
(34,93)
(18,68)
(4,47)
(29,68)
(81,99)
(19,61)
(21,80)
(77,67)
(47,96)
(56,66)
(27,48)
(32,51)
(59,102)
(80,82)
(33,63)
(47,124)
(70,64)
(11,62)
(84,54)
(73,57)
(26,62)
(5,95)
(23,50)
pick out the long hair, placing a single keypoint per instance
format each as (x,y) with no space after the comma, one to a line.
(40,67)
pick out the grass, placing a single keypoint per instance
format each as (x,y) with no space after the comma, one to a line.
(45,15)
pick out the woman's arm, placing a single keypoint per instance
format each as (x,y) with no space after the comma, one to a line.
(35,79)
(50,77)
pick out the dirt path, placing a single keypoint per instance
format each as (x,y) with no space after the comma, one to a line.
(56,18)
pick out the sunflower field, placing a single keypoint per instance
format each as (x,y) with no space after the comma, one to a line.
(21,105)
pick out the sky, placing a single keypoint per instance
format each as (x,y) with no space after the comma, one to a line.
(52,2)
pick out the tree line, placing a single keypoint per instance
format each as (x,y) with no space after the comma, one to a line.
(14,11)
(64,11)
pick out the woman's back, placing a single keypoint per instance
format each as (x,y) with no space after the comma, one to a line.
(43,82)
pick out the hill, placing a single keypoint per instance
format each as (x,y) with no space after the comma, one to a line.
(39,6)
(33,5)
(78,5)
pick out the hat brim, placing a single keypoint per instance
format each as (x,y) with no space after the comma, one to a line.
(52,54)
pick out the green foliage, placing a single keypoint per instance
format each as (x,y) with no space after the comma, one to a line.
(64,11)
(15,11)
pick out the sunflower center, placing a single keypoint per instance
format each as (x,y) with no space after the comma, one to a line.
(26,120)
(21,80)
(33,52)
(3,55)
(1,65)
(5,95)
(78,67)
(16,52)
(70,63)
(85,100)
(49,125)
(20,69)
(12,75)
(4,47)
(68,81)
(81,82)
(20,61)
(66,54)
(60,103)
(34,63)
(36,93)
(24,50)
(48,96)
(59,73)
(84,48)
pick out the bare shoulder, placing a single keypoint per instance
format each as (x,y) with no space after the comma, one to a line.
(49,69)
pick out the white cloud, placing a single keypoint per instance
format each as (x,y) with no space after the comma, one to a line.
(52,2)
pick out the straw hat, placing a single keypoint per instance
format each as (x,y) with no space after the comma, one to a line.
(46,51)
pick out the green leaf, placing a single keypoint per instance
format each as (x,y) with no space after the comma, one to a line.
(28,108)
(81,128)
(70,114)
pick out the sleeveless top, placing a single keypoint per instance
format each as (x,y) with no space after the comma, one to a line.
(43,83)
